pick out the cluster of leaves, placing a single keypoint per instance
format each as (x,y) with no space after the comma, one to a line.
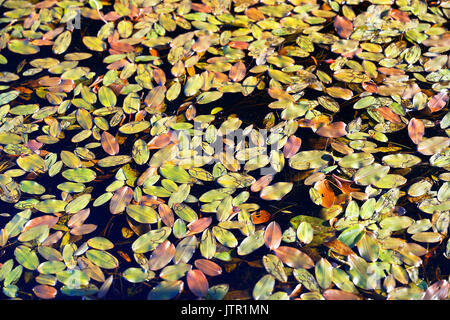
(367,80)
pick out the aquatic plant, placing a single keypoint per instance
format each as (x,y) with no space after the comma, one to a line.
(224,149)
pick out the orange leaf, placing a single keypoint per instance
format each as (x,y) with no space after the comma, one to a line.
(260,216)
(332,130)
(343,26)
(326,192)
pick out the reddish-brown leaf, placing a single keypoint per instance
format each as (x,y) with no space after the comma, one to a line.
(273,235)
(370,87)
(208,267)
(78,218)
(200,7)
(49,81)
(345,185)
(416,130)
(83,229)
(237,71)
(121,47)
(401,16)
(52,239)
(109,143)
(44,291)
(343,26)
(388,114)
(160,141)
(197,283)
(166,214)
(438,101)
(254,14)
(162,255)
(292,146)
(238,45)
(294,258)
(159,76)
(198,226)
(155,97)
(339,247)
(437,291)
(48,220)
(334,294)
(121,198)
(332,130)
(391,71)
(261,183)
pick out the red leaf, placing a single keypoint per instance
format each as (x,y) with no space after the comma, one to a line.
(198,226)
(208,267)
(197,283)
(416,130)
